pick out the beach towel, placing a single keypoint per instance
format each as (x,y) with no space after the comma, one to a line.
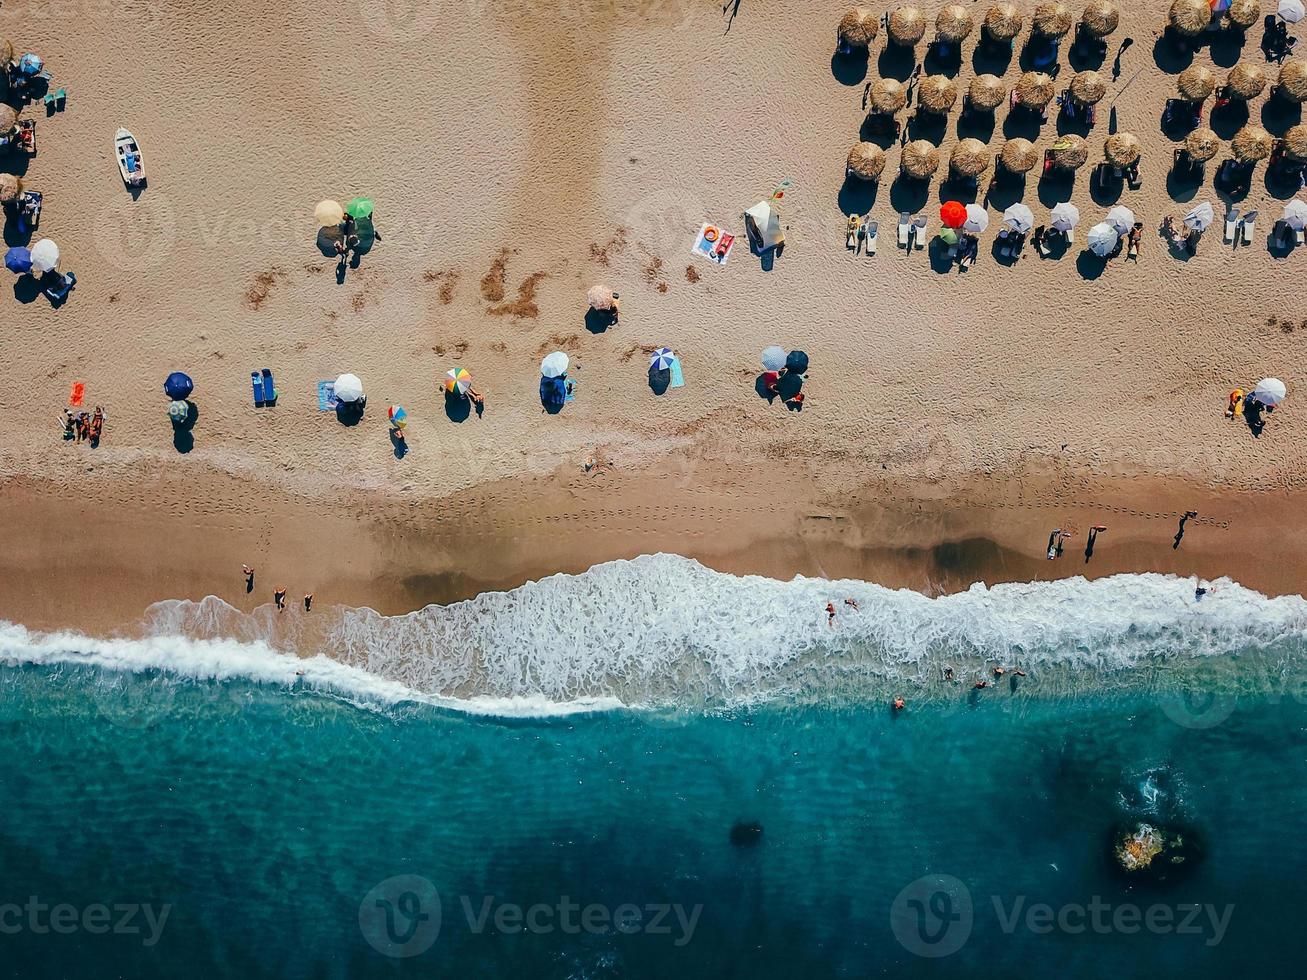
(678,379)
(571,389)
(713,243)
(327,396)
(77,394)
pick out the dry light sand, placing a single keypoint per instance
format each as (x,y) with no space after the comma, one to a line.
(520,152)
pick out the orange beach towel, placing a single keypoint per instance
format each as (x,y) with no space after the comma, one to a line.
(77,394)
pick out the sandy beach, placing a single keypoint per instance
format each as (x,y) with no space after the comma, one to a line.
(518,154)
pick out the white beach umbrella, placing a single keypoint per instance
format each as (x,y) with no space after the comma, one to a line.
(773,358)
(1291,11)
(977,219)
(1270,391)
(555,365)
(1295,216)
(45,257)
(1019,218)
(348,388)
(1121,218)
(1200,218)
(1102,239)
(1065,217)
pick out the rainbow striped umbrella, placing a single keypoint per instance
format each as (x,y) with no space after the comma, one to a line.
(398,417)
(1219,6)
(457,381)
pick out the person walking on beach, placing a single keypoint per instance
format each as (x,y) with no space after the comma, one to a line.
(1179,534)
(69,424)
(279,597)
(249,578)
(1093,536)
(308,602)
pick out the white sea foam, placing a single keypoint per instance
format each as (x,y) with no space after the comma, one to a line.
(665,630)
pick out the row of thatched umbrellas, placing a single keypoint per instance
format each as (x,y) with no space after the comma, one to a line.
(906,26)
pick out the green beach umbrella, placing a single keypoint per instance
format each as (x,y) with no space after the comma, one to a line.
(949,236)
(359,208)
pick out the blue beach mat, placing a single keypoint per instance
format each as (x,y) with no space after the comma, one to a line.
(571,389)
(327,396)
(678,379)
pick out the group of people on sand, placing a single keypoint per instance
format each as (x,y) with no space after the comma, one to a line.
(278,594)
(84,426)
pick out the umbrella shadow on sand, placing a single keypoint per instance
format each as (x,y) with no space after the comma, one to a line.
(660,380)
(1089,265)
(598,321)
(183,439)
(849,69)
(457,407)
(26,289)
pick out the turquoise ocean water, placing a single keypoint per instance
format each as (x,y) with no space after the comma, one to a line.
(746,805)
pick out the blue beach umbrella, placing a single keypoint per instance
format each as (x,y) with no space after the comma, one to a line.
(662,359)
(18,260)
(796,362)
(178,386)
(30,63)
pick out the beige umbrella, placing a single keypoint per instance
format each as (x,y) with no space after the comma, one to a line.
(1295,142)
(920,159)
(858,28)
(1190,17)
(1035,90)
(1100,17)
(1003,22)
(1196,83)
(1246,81)
(1292,84)
(970,158)
(1122,149)
(1051,19)
(1070,152)
(1252,143)
(1088,88)
(6,52)
(1019,155)
(888,95)
(865,161)
(1244,13)
(907,26)
(938,94)
(10,187)
(954,23)
(599,298)
(986,92)
(8,117)
(1202,144)
(328,213)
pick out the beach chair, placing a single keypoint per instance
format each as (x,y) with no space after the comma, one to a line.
(1246,227)
(1281,235)
(256,382)
(871,228)
(919,232)
(905,230)
(59,292)
(1298,236)
(1070,236)
(1231,224)
(269,389)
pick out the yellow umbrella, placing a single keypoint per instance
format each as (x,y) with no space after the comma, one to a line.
(328,213)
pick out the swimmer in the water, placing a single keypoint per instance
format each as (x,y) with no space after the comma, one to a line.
(852,603)
(830,614)
(899,704)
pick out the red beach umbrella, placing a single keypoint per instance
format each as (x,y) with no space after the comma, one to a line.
(953,214)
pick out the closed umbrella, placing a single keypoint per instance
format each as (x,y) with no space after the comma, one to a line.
(977,219)
(1291,11)
(773,358)
(796,362)
(45,257)
(1121,218)
(457,381)
(18,260)
(398,417)
(1200,218)
(328,213)
(1103,238)
(1019,218)
(1270,391)
(662,358)
(348,388)
(178,411)
(359,208)
(1064,216)
(1295,215)
(953,214)
(178,386)
(554,365)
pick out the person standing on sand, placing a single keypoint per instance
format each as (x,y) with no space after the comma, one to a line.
(308,602)
(1093,536)
(1179,534)
(249,578)
(1055,542)
(279,597)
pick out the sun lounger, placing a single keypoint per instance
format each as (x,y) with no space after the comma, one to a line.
(64,283)
(919,231)
(1070,236)
(905,229)
(269,389)
(1246,227)
(854,229)
(1231,223)
(256,382)
(871,228)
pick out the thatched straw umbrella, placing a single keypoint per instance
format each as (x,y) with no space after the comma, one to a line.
(1246,81)
(1196,83)
(10,188)
(1100,17)
(1202,144)
(866,161)
(1295,142)
(888,95)
(1292,84)
(907,26)
(6,52)
(986,92)
(1051,19)
(1035,90)
(1003,22)
(1122,149)
(954,23)
(1088,88)
(1190,17)
(1070,152)
(970,158)
(1244,13)
(858,28)
(1019,155)
(1252,143)
(920,159)
(938,94)
(8,117)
